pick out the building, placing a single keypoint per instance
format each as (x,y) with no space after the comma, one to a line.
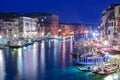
(54,26)
(117,23)
(2,29)
(103,24)
(9,24)
(66,29)
(48,23)
(92,31)
(28,27)
(110,24)
(17,27)
(9,29)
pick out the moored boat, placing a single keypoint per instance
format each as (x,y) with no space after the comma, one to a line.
(84,68)
(16,44)
(107,71)
(3,47)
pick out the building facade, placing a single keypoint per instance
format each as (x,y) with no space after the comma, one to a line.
(2,29)
(28,27)
(110,28)
(48,23)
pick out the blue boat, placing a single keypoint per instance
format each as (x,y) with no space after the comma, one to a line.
(91,60)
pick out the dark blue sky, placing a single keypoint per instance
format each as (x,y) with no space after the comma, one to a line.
(76,11)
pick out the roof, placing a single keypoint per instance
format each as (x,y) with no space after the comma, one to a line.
(112,6)
(37,14)
(6,15)
(71,23)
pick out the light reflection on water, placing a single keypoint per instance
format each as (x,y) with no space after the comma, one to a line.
(30,63)
(20,63)
(42,56)
(2,66)
(48,60)
(71,49)
(63,52)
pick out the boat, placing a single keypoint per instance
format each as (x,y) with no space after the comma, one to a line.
(106,72)
(86,69)
(109,70)
(3,47)
(16,44)
(91,59)
(95,69)
(83,62)
(83,55)
(28,42)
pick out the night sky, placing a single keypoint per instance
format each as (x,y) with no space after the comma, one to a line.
(72,11)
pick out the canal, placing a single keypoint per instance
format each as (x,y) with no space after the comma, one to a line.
(46,60)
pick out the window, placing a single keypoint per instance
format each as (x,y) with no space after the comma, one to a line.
(112,24)
(27,24)
(108,32)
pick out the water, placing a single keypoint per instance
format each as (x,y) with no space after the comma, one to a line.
(48,60)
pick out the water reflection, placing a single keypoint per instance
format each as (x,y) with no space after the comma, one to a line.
(2,66)
(55,51)
(20,63)
(63,52)
(71,44)
(30,63)
(42,57)
(35,59)
(71,49)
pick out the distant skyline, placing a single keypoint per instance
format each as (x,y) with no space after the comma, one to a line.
(69,11)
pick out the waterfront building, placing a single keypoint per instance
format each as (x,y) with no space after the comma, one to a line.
(92,31)
(103,24)
(35,24)
(9,29)
(54,26)
(78,30)
(117,22)
(2,29)
(48,23)
(17,28)
(28,27)
(66,29)
(10,24)
(110,28)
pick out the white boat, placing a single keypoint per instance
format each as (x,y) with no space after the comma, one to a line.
(84,68)
(95,69)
